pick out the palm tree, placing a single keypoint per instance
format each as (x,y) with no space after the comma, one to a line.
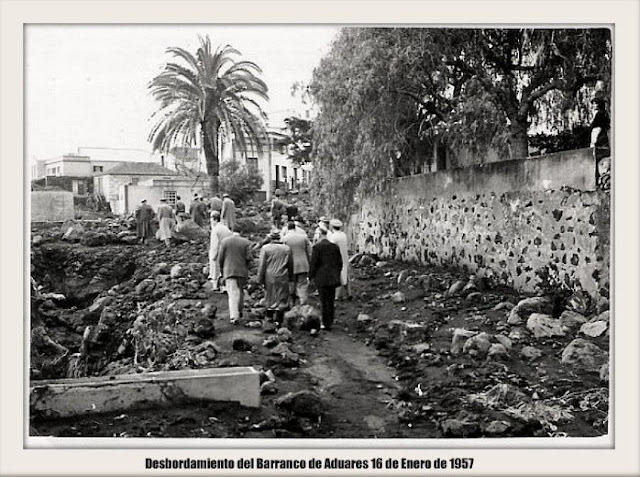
(212,96)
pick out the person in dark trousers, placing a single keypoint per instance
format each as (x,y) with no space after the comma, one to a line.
(324,269)
(234,258)
(292,210)
(600,129)
(144,215)
(180,207)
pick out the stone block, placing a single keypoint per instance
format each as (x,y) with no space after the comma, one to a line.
(67,397)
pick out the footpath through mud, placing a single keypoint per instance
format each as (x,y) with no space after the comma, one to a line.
(418,352)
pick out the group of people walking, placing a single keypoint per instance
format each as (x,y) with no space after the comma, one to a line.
(287,262)
(170,218)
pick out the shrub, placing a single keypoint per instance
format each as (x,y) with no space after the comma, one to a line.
(239,181)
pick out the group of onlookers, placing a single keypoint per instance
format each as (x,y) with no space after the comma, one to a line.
(170,219)
(287,262)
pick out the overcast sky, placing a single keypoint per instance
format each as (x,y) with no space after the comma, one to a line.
(86,85)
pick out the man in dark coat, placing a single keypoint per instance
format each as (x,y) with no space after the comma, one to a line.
(180,208)
(144,216)
(234,258)
(324,269)
(275,271)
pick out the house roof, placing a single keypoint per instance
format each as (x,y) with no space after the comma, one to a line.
(139,169)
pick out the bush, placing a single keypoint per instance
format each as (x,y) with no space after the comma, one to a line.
(239,181)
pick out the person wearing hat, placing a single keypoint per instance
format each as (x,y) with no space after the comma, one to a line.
(219,232)
(599,128)
(292,210)
(234,258)
(144,215)
(324,270)
(323,222)
(300,253)
(338,237)
(275,271)
(277,209)
(167,220)
(228,212)
(215,204)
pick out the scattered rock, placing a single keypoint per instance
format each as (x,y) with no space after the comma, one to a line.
(517,334)
(407,329)
(504,341)
(459,428)
(284,334)
(366,261)
(145,286)
(421,347)
(460,335)
(456,287)
(530,353)
(544,326)
(504,305)
(594,329)
(571,319)
(176,271)
(498,350)
(477,345)
(579,302)
(302,403)
(203,327)
(398,297)
(497,428)
(355,259)
(271,341)
(242,344)
(604,316)
(364,318)
(604,373)
(36,240)
(473,296)
(402,276)
(209,311)
(269,326)
(99,303)
(254,324)
(585,355)
(381,264)
(269,387)
(526,307)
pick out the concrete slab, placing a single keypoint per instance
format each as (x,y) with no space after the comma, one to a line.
(67,397)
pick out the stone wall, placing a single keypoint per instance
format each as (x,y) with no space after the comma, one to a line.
(51,206)
(522,238)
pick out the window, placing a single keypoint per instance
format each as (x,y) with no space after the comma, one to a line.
(97,168)
(134,180)
(81,188)
(252,163)
(170,195)
(99,185)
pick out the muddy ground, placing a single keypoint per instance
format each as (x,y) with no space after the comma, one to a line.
(419,352)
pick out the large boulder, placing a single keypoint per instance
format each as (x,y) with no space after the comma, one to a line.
(526,307)
(594,329)
(478,345)
(530,353)
(584,354)
(302,403)
(544,326)
(460,335)
(572,319)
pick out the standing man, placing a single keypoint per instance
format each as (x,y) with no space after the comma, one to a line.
(301,254)
(323,222)
(277,208)
(200,212)
(292,210)
(193,206)
(228,212)
(180,208)
(144,214)
(234,258)
(216,203)
(599,129)
(324,269)
(338,237)
(219,232)
(167,222)
(275,271)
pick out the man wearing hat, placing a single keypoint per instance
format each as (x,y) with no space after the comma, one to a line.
(166,218)
(219,232)
(275,271)
(324,269)
(300,253)
(234,258)
(322,223)
(144,214)
(338,237)
(228,212)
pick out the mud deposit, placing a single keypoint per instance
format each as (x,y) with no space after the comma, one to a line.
(417,352)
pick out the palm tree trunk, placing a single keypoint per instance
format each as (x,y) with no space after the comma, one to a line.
(212,160)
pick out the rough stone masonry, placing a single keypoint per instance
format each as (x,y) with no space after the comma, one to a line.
(521,238)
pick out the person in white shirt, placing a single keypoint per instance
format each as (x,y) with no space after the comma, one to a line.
(338,237)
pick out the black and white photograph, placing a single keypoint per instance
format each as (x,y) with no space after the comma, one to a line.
(321,234)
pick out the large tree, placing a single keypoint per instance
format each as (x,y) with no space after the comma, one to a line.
(389,96)
(210,95)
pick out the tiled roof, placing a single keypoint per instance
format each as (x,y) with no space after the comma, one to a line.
(139,169)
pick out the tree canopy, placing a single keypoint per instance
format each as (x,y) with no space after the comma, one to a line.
(389,96)
(207,96)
